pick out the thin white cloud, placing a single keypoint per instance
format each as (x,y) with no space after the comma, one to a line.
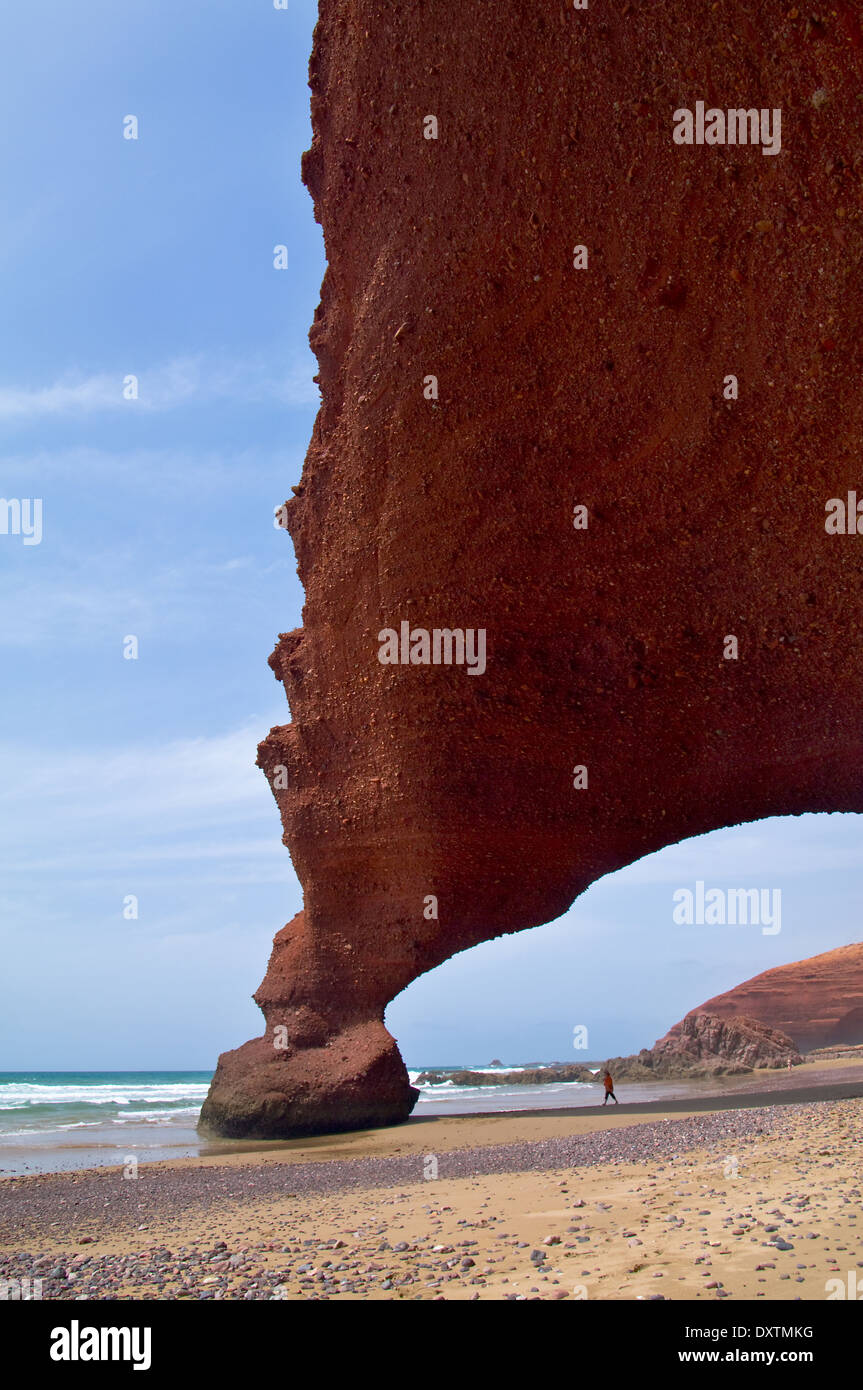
(180,470)
(97,602)
(190,816)
(144,796)
(184,381)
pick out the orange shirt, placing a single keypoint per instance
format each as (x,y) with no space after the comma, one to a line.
(609,1084)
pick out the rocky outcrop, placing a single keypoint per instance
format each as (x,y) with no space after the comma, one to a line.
(527,1076)
(817,1002)
(737,1043)
(533,307)
(701,1045)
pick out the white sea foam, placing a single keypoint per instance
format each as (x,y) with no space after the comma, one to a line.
(14,1095)
(432,1093)
(480,1071)
(161,1117)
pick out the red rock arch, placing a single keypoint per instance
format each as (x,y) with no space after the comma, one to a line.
(557,387)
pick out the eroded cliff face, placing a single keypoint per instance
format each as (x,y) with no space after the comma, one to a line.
(817,1002)
(727,1043)
(451,504)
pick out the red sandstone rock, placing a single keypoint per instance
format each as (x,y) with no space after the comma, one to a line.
(743,1042)
(558,387)
(817,1002)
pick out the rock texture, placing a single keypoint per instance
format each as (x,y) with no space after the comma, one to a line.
(743,1042)
(817,1002)
(557,387)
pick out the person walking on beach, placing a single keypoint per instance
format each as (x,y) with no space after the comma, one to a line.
(609,1088)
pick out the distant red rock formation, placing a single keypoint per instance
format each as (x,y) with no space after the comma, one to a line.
(817,1002)
(743,1042)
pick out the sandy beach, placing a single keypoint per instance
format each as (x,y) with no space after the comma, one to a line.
(753,1195)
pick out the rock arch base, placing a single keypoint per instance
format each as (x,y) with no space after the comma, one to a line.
(600,387)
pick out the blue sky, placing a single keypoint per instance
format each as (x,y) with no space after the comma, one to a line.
(155,258)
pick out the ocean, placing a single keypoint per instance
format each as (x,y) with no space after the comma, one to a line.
(56,1121)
